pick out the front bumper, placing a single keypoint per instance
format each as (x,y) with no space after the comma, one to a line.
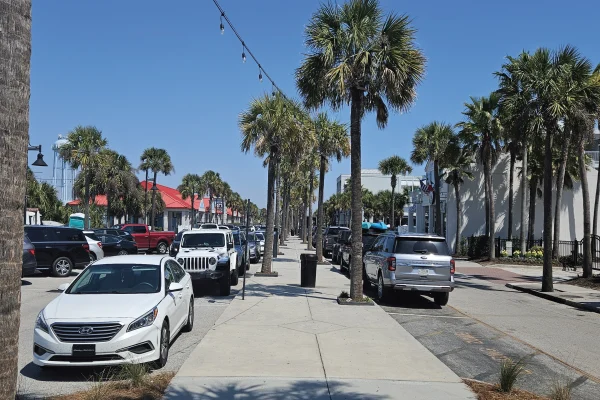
(138,346)
(254,253)
(210,275)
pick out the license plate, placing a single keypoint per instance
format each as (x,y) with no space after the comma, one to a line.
(423,272)
(84,350)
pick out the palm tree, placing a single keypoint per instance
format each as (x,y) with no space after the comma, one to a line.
(157,161)
(82,149)
(429,144)
(268,127)
(115,178)
(212,183)
(394,166)
(482,132)
(190,187)
(15,53)
(457,166)
(597,197)
(332,142)
(226,193)
(359,56)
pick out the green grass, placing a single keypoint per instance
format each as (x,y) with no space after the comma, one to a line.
(509,373)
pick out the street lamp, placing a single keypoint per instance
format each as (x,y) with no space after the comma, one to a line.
(39,162)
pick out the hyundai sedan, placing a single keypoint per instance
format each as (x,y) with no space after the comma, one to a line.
(123,309)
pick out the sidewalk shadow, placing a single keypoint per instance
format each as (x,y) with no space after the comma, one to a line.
(272,390)
(287,290)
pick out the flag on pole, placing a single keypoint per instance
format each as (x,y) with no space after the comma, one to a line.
(424,187)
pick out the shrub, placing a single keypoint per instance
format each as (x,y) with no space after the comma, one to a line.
(517,253)
(344,295)
(509,373)
(135,374)
(537,248)
(478,247)
(504,253)
(560,391)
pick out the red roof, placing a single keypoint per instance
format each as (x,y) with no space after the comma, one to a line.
(170,196)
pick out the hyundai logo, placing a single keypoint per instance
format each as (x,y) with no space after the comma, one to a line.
(86,330)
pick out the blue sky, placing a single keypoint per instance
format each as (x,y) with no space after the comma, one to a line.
(155,73)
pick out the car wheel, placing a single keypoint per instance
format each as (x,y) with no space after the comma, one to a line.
(93,256)
(224,285)
(382,292)
(163,346)
(190,319)
(441,299)
(235,278)
(62,267)
(366,281)
(162,248)
(122,253)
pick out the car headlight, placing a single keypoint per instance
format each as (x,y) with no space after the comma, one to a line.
(180,261)
(40,322)
(212,261)
(145,320)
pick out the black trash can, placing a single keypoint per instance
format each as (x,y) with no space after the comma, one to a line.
(308,270)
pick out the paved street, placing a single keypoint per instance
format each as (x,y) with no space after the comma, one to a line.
(486,322)
(40,290)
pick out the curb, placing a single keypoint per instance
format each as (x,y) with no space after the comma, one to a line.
(555,299)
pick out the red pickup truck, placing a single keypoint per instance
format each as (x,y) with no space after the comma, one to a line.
(148,240)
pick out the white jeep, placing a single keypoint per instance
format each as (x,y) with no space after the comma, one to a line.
(209,254)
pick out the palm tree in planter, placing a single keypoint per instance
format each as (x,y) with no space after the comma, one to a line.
(457,166)
(190,187)
(157,161)
(394,166)
(429,144)
(359,56)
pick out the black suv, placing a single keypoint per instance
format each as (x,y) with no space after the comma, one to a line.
(330,237)
(59,249)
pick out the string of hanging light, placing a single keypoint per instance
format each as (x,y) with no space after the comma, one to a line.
(245,49)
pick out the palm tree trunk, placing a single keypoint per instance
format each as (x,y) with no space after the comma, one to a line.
(511,193)
(596,203)
(458,217)
(560,183)
(356,268)
(277,208)
(531,223)
(393,219)
(523,198)
(436,198)
(268,254)
(487,205)
(108,223)
(311,190)
(86,204)
(491,237)
(547,284)
(146,199)
(193,212)
(153,200)
(15,53)
(587,225)
(320,210)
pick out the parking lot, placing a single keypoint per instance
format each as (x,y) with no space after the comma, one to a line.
(39,290)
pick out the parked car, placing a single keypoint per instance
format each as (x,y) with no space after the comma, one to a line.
(59,249)
(124,309)
(368,237)
(209,226)
(210,255)
(240,243)
(330,236)
(29,262)
(261,240)
(410,262)
(254,247)
(117,246)
(96,251)
(116,232)
(336,253)
(148,240)
(174,248)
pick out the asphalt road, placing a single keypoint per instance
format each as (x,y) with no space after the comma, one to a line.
(38,291)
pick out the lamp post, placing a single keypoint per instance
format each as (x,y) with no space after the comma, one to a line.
(154,190)
(39,162)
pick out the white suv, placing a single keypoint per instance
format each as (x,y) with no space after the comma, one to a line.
(209,254)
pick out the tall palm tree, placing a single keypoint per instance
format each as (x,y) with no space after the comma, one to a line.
(394,166)
(429,144)
(482,132)
(82,149)
(332,142)
(15,53)
(268,127)
(597,196)
(213,184)
(359,56)
(226,193)
(115,178)
(190,187)
(457,166)
(157,161)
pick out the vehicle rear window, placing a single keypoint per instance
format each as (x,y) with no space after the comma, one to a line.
(69,235)
(421,246)
(368,241)
(92,236)
(37,235)
(139,229)
(334,231)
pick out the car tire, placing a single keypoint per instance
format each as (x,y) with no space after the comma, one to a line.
(235,278)
(93,256)
(382,291)
(224,284)
(366,281)
(162,248)
(62,267)
(441,299)
(122,253)
(190,319)
(163,346)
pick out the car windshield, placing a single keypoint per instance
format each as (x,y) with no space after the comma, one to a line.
(192,240)
(421,246)
(117,279)
(260,236)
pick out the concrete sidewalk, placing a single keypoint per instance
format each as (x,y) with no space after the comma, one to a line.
(287,342)
(571,295)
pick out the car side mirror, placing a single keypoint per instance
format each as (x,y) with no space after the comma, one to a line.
(64,287)
(175,287)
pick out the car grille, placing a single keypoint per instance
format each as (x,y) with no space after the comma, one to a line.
(72,333)
(195,263)
(96,358)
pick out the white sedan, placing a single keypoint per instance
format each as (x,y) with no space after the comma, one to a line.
(123,309)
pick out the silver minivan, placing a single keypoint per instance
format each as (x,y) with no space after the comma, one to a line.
(410,262)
